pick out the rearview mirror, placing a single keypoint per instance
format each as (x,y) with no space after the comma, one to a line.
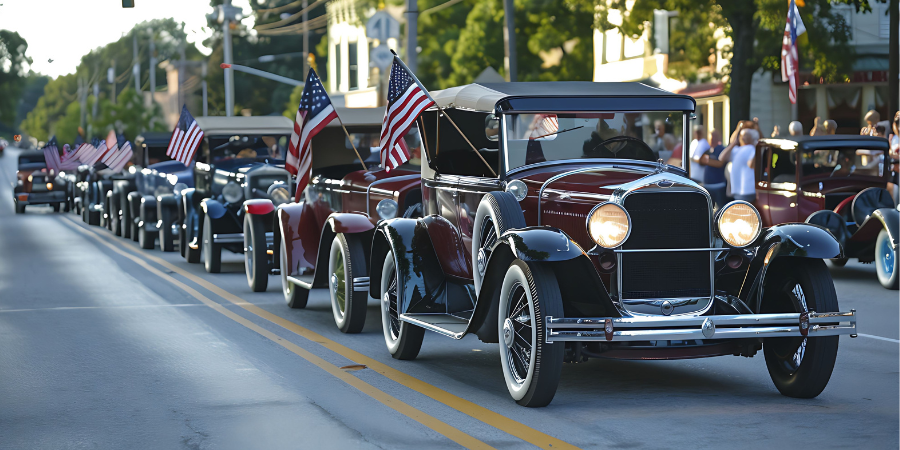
(492,127)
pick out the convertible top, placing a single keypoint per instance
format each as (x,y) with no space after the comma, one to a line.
(263,125)
(487,96)
(828,141)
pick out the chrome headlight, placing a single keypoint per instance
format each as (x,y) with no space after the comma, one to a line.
(387,209)
(233,192)
(739,223)
(609,225)
(518,189)
(279,194)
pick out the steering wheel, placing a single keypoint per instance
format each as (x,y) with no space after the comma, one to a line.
(626,140)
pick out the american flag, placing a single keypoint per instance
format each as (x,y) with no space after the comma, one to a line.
(790,68)
(406,100)
(121,158)
(186,137)
(314,113)
(69,160)
(109,150)
(51,157)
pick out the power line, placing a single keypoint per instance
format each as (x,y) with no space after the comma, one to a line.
(268,26)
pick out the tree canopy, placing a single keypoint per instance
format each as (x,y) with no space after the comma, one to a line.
(13,76)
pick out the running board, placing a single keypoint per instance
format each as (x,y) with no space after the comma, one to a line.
(304,281)
(238,238)
(445,324)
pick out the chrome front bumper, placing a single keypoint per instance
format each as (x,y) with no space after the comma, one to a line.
(690,328)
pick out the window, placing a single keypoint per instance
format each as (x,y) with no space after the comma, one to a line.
(843,163)
(354,68)
(781,167)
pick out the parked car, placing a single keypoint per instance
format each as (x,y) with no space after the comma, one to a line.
(35,184)
(585,245)
(149,205)
(244,158)
(327,233)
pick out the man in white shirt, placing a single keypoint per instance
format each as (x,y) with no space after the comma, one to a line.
(743,177)
(699,147)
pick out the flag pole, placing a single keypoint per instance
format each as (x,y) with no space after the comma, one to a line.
(351,140)
(441,110)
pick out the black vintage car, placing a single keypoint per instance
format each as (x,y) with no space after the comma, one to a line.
(149,205)
(244,159)
(35,185)
(568,238)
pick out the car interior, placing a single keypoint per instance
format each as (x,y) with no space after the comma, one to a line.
(454,156)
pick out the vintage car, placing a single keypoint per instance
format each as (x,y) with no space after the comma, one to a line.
(149,206)
(243,160)
(35,185)
(837,182)
(574,241)
(324,238)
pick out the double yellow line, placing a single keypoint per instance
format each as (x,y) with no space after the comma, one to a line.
(462,405)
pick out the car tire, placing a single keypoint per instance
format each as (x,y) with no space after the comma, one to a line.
(531,287)
(20,208)
(56,207)
(256,258)
(295,296)
(346,260)
(497,213)
(192,255)
(115,220)
(93,216)
(800,367)
(146,239)
(403,339)
(212,253)
(127,222)
(182,242)
(886,266)
(166,238)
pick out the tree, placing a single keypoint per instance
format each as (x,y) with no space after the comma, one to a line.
(58,94)
(13,62)
(756,28)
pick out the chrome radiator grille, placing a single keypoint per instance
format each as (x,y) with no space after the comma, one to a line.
(666,220)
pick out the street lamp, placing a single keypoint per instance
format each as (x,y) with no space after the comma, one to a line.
(225,14)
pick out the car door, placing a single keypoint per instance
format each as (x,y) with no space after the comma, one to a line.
(781,186)
(471,190)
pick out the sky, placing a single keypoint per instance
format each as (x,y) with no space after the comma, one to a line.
(65,30)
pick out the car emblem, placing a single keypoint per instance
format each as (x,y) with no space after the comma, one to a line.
(666,308)
(708,328)
(665,183)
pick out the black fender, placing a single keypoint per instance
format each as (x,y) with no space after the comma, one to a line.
(790,240)
(148,218)
(333,226)
(190,203)
(133,201)
(425,288)
(890,219)
(582,290)
(223,220)
(166,210)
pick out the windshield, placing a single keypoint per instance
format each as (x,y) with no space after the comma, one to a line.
(248,147)
(843,163)
(642,136)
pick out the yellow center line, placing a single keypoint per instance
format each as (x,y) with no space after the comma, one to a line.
(425,419)
(460,404)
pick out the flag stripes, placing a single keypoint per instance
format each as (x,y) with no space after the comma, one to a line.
(406,101)
(186,138)
(314,113)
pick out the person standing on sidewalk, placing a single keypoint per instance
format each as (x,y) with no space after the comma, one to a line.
(714,177)
(699,147)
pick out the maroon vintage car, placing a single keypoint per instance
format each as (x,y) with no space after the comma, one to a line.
(324,237)
(560,234)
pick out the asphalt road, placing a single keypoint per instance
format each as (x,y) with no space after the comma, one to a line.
(104,345)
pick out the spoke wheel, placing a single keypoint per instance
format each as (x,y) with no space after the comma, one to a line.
(345,262)
(497,213)
(295,296)
(403,339)
(531,366)
(800,367)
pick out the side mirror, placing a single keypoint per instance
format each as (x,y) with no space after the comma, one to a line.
(492,127)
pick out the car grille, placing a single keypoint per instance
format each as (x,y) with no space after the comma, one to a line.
(667,220)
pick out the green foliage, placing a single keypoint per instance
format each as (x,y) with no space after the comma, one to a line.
(66,128)
(128,116)
(58,94)
(293,103)
(13,62)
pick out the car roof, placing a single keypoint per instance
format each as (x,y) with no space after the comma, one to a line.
(31,154)
(154,138)
(828,141)
(262,125)
(485,96)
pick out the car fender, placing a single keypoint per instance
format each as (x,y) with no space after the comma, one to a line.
(540,244)
(882,218)
(797,240)
(448,247)
(148,219)
(259,206)
(299,235)
(133,201)
(221,218)
(167,209)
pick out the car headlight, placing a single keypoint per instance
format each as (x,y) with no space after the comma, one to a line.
(739,223)
(387,209)
(279,194)
(232,192)
(608,225)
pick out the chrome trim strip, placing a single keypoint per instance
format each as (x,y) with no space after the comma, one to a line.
(661,328)
(229,238)
(431,327)
(384,180)
(361,284)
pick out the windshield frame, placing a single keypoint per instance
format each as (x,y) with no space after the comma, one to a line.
(504,160)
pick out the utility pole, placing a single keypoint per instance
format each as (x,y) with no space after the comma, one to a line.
(412,34)
(509,40)
(225,14)
(82,98)
(182,66)
(894,59)
(203,86)
(305,38)
(136,70)
(152,67)
(111,77)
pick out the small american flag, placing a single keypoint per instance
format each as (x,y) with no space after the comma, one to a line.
(69,160)
(121,158)
(51,157)
(186,137)
(406,100)
(790,63)
(314,113)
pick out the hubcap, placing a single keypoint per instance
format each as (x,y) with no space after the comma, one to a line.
(337,286)
(508,332)
(887,258)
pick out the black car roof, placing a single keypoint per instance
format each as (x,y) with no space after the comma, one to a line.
(154,138)
(828,141)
